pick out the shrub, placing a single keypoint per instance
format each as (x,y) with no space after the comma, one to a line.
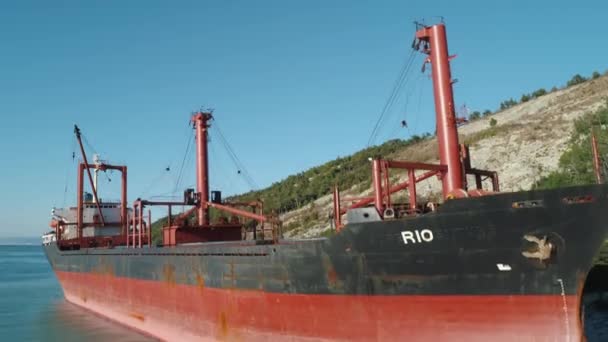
(576,79)
(507,104)
(575,164)
(595,75)
(493,122)
(540,92)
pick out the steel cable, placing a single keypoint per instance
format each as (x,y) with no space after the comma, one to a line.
(399,82)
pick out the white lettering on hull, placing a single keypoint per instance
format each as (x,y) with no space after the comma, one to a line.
(417,236)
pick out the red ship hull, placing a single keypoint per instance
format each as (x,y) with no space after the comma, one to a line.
(172,311)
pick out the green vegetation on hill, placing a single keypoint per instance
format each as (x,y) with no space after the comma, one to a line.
(576,79)
(576,163)
(301,189)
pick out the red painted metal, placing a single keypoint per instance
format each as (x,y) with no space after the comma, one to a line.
(397,164)
(386,185)
(169,215)
(149,230)
(454,162)
(99,218)
(131,231)
(337,211)
(479,193)
(596,159)
(213,314)
(146,202)
(140,225)
(184,234)
(131,239)
(490,174)
(239,212)
(87,166)
(201,124)
(355,199)
(447,133)
(124,211)
(79,199)
(377,182)
(478,181)
(181,218)
(392,190)
(411,173)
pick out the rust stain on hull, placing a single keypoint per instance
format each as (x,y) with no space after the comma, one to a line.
(200,281)
(138,316)
(169,274)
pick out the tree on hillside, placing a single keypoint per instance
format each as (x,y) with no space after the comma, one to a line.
(525,98)
(487,112)
(595,75)
(507,104)
(540,92)
(576,163)
(576,79)
(474,116)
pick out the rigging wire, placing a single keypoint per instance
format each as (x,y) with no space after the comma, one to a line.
(417,86)
(175,177)
(186,153)
(188,177)
(220,171)
(402,120)
(67,172)
(394,94)
(419,106)
(421,94)
(86,142)
(408,96)
(241,170)
(160,176)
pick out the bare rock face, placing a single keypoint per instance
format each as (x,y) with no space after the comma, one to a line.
(524,145)
(531,137)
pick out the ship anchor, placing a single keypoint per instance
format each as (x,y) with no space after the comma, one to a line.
(543,249)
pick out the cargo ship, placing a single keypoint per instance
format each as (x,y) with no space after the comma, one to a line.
(482,265)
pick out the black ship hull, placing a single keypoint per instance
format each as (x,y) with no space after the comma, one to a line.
(510,266)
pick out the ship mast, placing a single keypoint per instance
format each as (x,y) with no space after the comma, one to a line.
(436,46)
(201,125)
(454,159)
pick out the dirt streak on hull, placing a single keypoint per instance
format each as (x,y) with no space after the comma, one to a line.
(471,281)
(185,312)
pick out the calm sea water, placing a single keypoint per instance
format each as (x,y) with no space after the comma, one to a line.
(32,307)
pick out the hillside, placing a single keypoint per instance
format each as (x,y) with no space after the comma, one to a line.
(523,143)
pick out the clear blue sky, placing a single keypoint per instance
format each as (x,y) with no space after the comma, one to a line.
(293,83)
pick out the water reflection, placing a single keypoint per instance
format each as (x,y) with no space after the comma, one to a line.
(32,307)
